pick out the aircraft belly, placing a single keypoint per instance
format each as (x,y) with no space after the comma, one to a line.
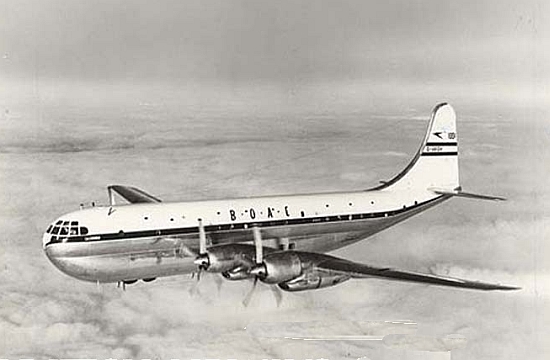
(121,261)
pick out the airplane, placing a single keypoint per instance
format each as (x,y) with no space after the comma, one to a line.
(278,240)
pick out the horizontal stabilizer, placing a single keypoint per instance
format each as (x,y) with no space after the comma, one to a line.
(460,193)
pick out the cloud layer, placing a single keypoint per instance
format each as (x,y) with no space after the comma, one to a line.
(44,313)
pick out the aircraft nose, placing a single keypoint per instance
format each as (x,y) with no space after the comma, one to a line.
(57,256)
(45,240)
(51,255)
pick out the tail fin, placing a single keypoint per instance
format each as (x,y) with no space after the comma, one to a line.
(435,164)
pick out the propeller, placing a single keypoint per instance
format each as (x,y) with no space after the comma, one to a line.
(259,270)
(259,259)
(248,297)
(202,260)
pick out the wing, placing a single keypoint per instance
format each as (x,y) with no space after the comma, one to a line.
(132,194)
(356,270)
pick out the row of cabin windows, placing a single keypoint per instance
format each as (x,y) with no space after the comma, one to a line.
(302,213)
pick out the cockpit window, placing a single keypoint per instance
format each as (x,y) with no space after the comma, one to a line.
(66,231)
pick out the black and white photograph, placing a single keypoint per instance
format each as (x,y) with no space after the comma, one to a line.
(253,180)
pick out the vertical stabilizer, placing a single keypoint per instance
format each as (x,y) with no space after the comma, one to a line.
(435,164)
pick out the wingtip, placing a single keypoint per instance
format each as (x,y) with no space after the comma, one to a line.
(511,288)
(504,287)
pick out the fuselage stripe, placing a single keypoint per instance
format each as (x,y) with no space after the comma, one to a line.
(443,153)
(441,144)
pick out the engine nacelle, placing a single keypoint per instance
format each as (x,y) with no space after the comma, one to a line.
(218,264)
(222,258)
(280,267)
(236,274)
(313,281)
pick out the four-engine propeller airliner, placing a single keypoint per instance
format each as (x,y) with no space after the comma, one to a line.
(275,239)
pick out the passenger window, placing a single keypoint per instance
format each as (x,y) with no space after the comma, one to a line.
(59,222)
(55,230)
(83,230)
(49,229)
(65,223)
(74,231)
(64,231)
(74,223)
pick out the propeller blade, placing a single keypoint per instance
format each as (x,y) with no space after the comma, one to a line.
(277,293)
(258,244)
(194,290)
(202,238)
(219,282)
(248,297)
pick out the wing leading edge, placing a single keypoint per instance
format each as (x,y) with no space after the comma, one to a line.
(355,270)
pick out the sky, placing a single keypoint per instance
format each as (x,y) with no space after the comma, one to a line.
(288,51)
(194,100)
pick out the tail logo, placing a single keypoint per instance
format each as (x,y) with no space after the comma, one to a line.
(450,136)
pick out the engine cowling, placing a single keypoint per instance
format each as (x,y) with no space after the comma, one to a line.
(238,273)
(280,267)
(313,281)
(222,258)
